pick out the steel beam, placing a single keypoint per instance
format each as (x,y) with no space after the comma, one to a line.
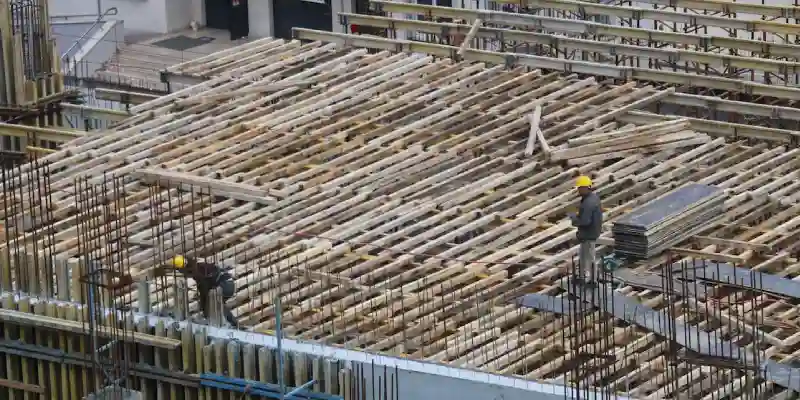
(758,281)
(93,112)
(124,97)
(566,66)
(729,7)
(593,28)
(173,79)
(662,15)
(668,56)
(717,128)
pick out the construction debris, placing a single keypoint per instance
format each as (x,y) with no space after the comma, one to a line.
(659,224)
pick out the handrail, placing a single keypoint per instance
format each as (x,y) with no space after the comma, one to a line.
(65,56)
(67,17)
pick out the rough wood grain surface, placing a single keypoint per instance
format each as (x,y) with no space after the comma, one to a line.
(400,213)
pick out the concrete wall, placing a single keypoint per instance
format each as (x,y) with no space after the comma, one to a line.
(164,16)
(156,16)
(179,13)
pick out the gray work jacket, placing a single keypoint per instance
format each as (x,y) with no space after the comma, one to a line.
(590,218)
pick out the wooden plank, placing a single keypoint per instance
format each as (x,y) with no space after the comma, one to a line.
(25,319)
(470,35)
(205,185)
(22,386)
(734,244)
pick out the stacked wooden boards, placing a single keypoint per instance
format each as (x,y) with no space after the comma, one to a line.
(659,224)
(401,215)
(630,140)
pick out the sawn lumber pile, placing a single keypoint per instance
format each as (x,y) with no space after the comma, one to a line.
(629,141)
(659,224)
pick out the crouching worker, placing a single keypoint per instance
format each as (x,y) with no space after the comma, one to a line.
(208,277)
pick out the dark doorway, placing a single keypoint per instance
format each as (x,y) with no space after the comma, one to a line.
(290,14)
(240,19)
(229,15)
(218,14)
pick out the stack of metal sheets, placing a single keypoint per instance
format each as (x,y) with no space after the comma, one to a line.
(660,224)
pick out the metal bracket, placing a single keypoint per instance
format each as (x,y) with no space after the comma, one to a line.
(511,61)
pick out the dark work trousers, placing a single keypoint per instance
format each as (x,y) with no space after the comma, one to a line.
(228,290)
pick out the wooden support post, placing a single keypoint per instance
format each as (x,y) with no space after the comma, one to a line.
(143,296)
(471,35)
(61,268)
(545,147)
(215,317)
(534,131)
(76,271)
(199,344)
(181,296)
(46,271)
(249,358)
(32,275)
(5,273)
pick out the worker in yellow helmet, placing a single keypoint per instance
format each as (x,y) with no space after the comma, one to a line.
(208,277)
(589,222)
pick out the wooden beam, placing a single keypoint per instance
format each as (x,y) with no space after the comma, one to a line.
(533,135)
(557,64)
(94,112)
(734,244)
(183,181)
(27,387)
(60,135)
(707,255)
(38,321)
(470,35)
(561,41)
(124,97)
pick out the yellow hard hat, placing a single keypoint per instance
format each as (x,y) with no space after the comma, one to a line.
(583,181)
(178,262)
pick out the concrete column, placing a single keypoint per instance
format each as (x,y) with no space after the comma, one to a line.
(199,11)
(340,6)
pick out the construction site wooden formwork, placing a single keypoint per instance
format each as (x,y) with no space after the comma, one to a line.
(33,97)
(387,200)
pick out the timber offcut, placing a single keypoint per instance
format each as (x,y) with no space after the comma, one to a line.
(400,202)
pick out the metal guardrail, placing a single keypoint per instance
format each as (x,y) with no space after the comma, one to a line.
(100,18)
(81,16)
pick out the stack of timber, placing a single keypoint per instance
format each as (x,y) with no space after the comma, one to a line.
(630,140)
(661,223)
(398,212)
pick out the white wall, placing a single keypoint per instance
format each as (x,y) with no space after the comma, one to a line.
(179,14)
(260,18)
(157,16)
